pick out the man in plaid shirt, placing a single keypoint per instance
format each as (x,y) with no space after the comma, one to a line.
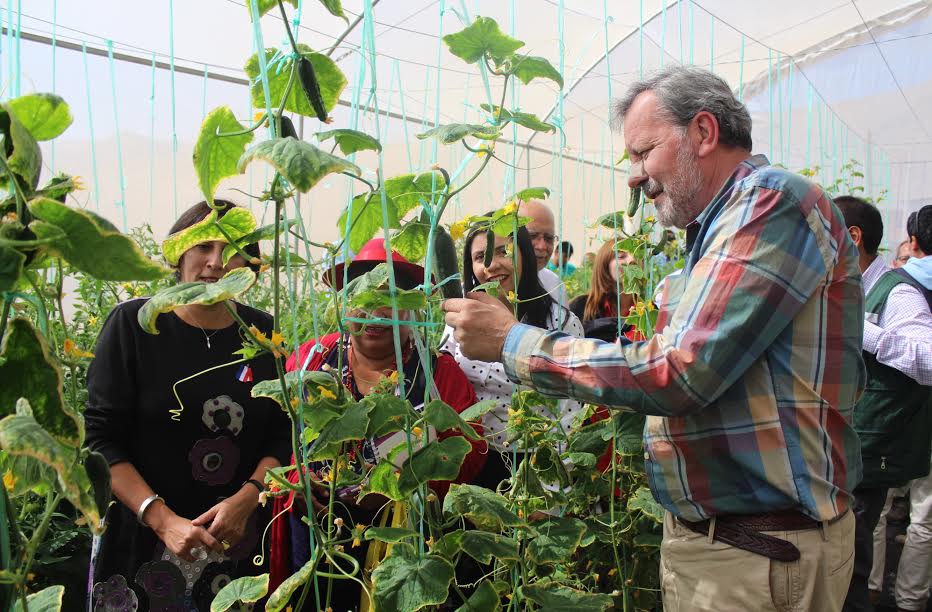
(750,379)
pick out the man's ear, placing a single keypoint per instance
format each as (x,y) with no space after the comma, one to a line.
(855,233)
(914,250)
(707,131)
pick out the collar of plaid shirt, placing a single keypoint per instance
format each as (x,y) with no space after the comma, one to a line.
(750,380)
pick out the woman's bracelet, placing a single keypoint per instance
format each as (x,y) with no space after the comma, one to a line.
(141,513)
(258,485)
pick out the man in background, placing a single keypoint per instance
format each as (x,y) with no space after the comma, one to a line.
(560,262)
(542,228)
(891,417)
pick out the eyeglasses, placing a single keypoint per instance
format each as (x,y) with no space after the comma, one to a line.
(548,238)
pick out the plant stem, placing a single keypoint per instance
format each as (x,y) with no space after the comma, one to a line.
(248,130)
(38,535)
(294,45)
(7,301)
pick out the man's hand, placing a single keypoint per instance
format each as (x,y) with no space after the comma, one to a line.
(480,324)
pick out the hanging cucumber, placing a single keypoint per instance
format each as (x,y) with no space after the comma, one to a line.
(635,201)
(311,87)
(445,264)
(286,128)
(658,248)
(489,248)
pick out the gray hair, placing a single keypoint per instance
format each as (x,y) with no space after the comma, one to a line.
(685,91)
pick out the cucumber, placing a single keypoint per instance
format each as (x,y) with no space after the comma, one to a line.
(286,128)
(445,264)
(635,201)
(489,248)
(311,87)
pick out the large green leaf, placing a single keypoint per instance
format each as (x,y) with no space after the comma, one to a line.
(486,509)
(484,547)
(215,156)
(483,37)
(350,141)
(443,418)
(405,582)
(296,381)
(644,501)
(383,480)
(28,474)
(556,540)
(98,472)
(477,410)
(264,6)
(387,414)
(436,461)
(48,599)
(20,434)
(350,425)
(28,370)
(24,157)
(531,193)
(529,67)
(11,267)
(390,534)
(92,245)
(300,163)
(45,115)
(367,218)
(247,589)
(630,426)
(408,190)
(484,599)
(527,120)
(369,291)
(329,77)
(282,595)
(335,7)
(553,597)
(454,132)
(411,241)
(234,283)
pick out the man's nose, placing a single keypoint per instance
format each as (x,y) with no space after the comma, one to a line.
(636,174)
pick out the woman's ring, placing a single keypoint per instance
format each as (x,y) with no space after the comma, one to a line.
(199,553)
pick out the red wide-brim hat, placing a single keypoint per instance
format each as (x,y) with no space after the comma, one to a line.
(369,256)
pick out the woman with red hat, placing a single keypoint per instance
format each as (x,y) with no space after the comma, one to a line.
(368,358)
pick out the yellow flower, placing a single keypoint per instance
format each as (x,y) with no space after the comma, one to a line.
(10,217)
(613,571)
(71,350)
(430,542)
(92,320)
(458,229)
(357,542)
(512,297)
(650,219)
(294,403)
(393,377)
(325,392)
(9,480)
(262,338)
(78,183)
(417,431)
(510,208)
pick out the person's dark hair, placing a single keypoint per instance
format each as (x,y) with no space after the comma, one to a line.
(536,311)
(685,91)
(567,249)
(197,213)
(865,216)
(919,225)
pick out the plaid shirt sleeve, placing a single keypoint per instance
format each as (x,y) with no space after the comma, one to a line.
(760,262)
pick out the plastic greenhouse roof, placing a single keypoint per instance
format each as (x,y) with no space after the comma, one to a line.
(825,80)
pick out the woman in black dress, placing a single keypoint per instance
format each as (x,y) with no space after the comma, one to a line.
(600,308)
(186,518)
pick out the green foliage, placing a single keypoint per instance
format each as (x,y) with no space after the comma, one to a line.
(528,120)
(46,600)
(435,461)
(234,283)
(90,243)
(530,67)
(553,597)
(45,116)
(24,158)
(331,80)
(410,190)
(247,589)
(643,501)
(390,534)
(29,371)
(367,218)
(531,193)
(454,132)
(411,241)
(216,155)
(369,291)
(351,141)
(405,581)
(484,508)
(482,39)
(300,163)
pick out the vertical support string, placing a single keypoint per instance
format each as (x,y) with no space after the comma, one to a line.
(780,102)
(711,43)
(90,127)
(770,103)
(741,71)
(171,68)
(54,70)
(204,94)
(787,159)
(640,41)
(121,203)
(663,33)
(152,139)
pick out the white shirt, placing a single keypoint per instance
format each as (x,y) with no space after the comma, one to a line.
(901,337)
(554,286)
(490,382)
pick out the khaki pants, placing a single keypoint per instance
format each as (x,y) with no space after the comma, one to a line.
(699,574)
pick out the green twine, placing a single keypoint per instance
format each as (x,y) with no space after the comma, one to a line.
(770,102)
(711,43)
(171,68)
(640,40)
(809,127)
(204,95)
(780,102)
(679,24)
(54,69)
(692,35)
(789,118)
(396,70)
(19,58)
(741,71)
(90,127)
(611,141)
(663,33)
(121,204)
(152,138)
(263,65)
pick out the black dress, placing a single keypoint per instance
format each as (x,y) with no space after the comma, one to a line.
(193,456)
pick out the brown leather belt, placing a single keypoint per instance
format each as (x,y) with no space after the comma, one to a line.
(744,531)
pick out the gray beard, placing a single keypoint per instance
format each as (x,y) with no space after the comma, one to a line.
(681,208)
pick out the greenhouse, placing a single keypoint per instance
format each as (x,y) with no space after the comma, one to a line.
(465,305)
